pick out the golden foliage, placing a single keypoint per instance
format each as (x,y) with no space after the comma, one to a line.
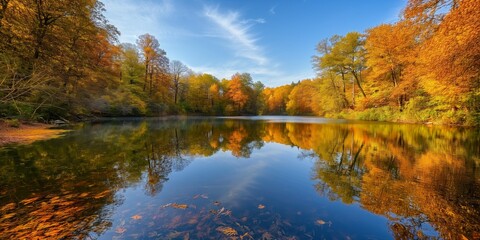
(228,231)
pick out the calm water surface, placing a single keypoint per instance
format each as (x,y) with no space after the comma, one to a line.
(244,178)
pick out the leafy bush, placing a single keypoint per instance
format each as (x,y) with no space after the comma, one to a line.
(12,123)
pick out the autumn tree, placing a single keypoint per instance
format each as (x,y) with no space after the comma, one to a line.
(203,93)
(343,55)
(300,98)
(276,99)
(131,66)
(70,43)
(238,91)
(390,49)
(154,60)
(177,71)
(452,55)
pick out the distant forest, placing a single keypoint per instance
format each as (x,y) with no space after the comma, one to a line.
(62,59)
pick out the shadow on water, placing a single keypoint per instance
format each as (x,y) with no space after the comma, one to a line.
(164,178)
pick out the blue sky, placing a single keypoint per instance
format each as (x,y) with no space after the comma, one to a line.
(273,40)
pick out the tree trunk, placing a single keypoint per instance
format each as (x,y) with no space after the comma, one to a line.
(176,91)
(146,76)
(353,93)
(358,83)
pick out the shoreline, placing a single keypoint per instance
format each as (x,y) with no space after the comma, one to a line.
(27,133)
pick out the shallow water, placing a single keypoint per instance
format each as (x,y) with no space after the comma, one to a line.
(244,178)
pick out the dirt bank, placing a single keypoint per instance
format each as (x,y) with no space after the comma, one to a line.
(27,133)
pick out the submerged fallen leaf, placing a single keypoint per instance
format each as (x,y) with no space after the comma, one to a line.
(260,206)
(246,236)
(228,231)
(193,220)
(8,207)
(136,217)
(223,211)
(166,205)
(320,222)
(200,196)
(7,216)
(120,230)
(30,200)
(174,234)
(267,236)
(102,194)
(216,203)
(83,195)
(179,206)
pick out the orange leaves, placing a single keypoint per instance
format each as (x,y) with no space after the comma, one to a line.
(320,222)
(277,98)
(301,98)
(175,205)
(236,92)
(120,230)
(228,231)
(52,216)
(136,217)
(102,194)
(179,206)
(8,207)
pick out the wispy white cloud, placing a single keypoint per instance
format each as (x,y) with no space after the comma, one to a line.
(256,20)
(238,32)
(272,10)
(129,14)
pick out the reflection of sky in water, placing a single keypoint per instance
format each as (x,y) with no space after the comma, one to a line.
(273,176)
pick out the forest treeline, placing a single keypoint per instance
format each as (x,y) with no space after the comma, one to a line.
(423,68)
(62,59)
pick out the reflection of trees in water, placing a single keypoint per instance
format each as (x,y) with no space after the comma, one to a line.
(411,174)
(163,158)
(399,174)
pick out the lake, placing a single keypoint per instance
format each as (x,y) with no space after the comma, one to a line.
(244,178)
